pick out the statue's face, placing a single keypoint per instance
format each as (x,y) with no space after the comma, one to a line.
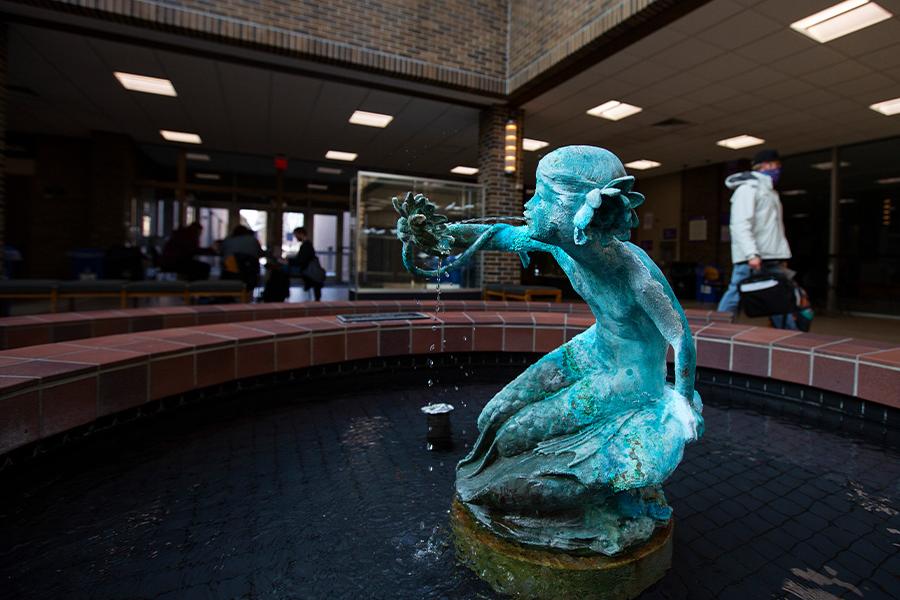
(546,216)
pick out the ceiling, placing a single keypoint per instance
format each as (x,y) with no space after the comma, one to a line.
(728,68)
(62,83)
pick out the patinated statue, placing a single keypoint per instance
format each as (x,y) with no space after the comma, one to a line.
(571,455)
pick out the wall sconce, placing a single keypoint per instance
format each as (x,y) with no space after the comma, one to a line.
(509,154)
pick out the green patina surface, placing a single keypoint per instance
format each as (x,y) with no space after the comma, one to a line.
(572,454)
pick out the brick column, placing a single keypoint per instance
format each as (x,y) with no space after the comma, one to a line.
(503,193)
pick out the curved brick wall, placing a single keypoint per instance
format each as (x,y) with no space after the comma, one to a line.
(16,332)
(50,388)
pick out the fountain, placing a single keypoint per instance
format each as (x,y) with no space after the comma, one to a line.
(561,495)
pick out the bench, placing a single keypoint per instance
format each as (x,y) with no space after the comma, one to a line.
(524,293)
(124,291)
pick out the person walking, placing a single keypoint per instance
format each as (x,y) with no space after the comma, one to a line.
(758,243)
(313,278)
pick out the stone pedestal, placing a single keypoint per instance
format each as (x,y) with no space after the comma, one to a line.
(524,572)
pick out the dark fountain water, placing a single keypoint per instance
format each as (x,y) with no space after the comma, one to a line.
(328,491)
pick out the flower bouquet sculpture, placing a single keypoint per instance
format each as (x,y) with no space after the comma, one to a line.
(571,455)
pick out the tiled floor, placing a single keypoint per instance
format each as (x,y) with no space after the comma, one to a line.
(335,496)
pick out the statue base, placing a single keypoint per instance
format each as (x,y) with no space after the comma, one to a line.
(524,572)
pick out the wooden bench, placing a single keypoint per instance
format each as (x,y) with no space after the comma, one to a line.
(524,293)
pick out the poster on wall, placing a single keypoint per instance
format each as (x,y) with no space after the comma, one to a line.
(697,229)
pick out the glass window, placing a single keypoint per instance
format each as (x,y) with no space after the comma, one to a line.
(377,250)
(324,239)
(258,221)
(289,222)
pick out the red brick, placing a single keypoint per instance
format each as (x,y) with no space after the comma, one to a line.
(327,349)
(790,366)
(215,366)
(394,342)
(547,339)
(362,344)
(750,360)
(834,375)
(426,340)
(458,339)
(292,353)
(122,388)
(879,384)
(68,405)
(171,376)
(713,355)
(19,420)
(255,358)
(488,339)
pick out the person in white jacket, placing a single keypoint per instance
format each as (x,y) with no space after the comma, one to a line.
(758,242)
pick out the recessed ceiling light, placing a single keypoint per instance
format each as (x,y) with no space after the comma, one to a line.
(197,156)
(329,170)
(888,180)
(614,110)
(793,192)
(841,19)
(464,170)
(338,155)
(532,145)
(740,141)
(180,136)
(826,166)
(211,176)
(148,85)
(642,164)
(370,119)
(888,107)
(316,186)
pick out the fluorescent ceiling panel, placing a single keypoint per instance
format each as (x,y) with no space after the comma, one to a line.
(197,156)
(180,136)
(329,170)
(740,141)
(338,155)
(531,145)
(642,164)
(316,186)
(460,170)
(147,85)
(840,20)
(210,176)
(888,107)
(614,110)
(888,180)
(370,119)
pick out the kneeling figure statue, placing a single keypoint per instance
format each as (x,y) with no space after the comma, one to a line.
(572,454)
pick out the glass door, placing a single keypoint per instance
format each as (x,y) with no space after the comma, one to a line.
(325,241)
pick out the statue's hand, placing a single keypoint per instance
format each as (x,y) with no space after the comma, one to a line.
(420,225)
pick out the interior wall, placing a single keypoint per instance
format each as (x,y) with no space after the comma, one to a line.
(74,194)
(659,230)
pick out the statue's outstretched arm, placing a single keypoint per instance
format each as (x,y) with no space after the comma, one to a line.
(421,227)
(658,300)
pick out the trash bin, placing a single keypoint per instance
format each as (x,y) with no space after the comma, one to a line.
(709,284)
(86,263)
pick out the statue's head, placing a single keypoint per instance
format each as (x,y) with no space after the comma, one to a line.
(582,194)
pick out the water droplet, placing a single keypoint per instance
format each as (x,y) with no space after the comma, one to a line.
(430,469)
(431,362)
(431,447)
(465,338)
(431,349)
(455,388)
(434,327)
(430,383)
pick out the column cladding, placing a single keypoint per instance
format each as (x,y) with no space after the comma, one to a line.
(503,192)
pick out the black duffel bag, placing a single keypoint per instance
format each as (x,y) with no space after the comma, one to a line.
(767,294)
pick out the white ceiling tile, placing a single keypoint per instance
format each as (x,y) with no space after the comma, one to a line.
(753,80)
(655,42)
(686,53)
(843,71)
(808,61)
(776,46)
(740,30)
(724,66)
(707,16)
